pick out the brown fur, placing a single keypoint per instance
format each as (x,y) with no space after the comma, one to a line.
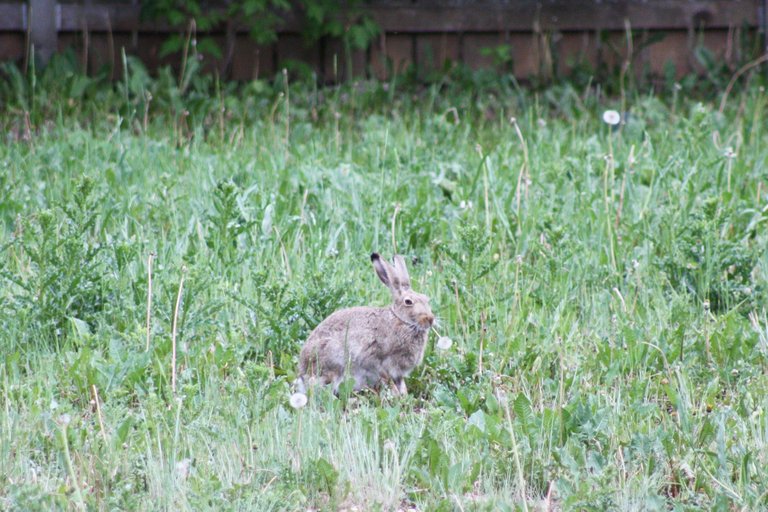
(371,344)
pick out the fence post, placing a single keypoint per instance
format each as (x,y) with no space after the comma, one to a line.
(43,28)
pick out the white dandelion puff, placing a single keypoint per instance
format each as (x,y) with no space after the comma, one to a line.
(298,400)
(182,468)
(444,343)
(611,117)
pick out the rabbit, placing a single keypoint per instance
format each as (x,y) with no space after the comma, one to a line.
(374,345)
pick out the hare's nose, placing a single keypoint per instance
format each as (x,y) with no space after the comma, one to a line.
(430,318)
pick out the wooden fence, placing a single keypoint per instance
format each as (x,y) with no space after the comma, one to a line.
(533,38)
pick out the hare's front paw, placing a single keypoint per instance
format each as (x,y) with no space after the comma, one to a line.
(398,386)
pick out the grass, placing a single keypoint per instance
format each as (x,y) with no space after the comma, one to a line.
(604,290)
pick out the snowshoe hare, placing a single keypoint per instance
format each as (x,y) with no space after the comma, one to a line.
(373,345)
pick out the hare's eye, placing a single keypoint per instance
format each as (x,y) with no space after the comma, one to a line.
(408,302)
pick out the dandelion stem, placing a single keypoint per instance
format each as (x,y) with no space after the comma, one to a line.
(149,298)
(394,220)
(287,113)
(458,309)
(516,453)
(746,67)
(71,468)
(525,174)
(98,412)
(173,331)
(608,198)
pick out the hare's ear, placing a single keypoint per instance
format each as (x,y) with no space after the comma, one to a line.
(402,271)
(384,270)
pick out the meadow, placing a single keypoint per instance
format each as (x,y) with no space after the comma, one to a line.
(167,244)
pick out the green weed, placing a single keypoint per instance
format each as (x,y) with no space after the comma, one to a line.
(603,288)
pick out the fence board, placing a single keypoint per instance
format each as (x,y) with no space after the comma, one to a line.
(293,47)
(336,65)
(392,52)
(11,46)
(13,17)
(542,36)
(569,15)
(561,15)
(43,28)
(433,51)
(252,60)
(473,46)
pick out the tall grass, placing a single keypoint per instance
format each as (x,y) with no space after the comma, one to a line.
(604,289)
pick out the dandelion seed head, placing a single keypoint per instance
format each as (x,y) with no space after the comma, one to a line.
(611,117)
(298,400)
(444,343)
(182,468)
(389,446)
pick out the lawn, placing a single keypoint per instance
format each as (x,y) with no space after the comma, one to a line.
(603,288)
